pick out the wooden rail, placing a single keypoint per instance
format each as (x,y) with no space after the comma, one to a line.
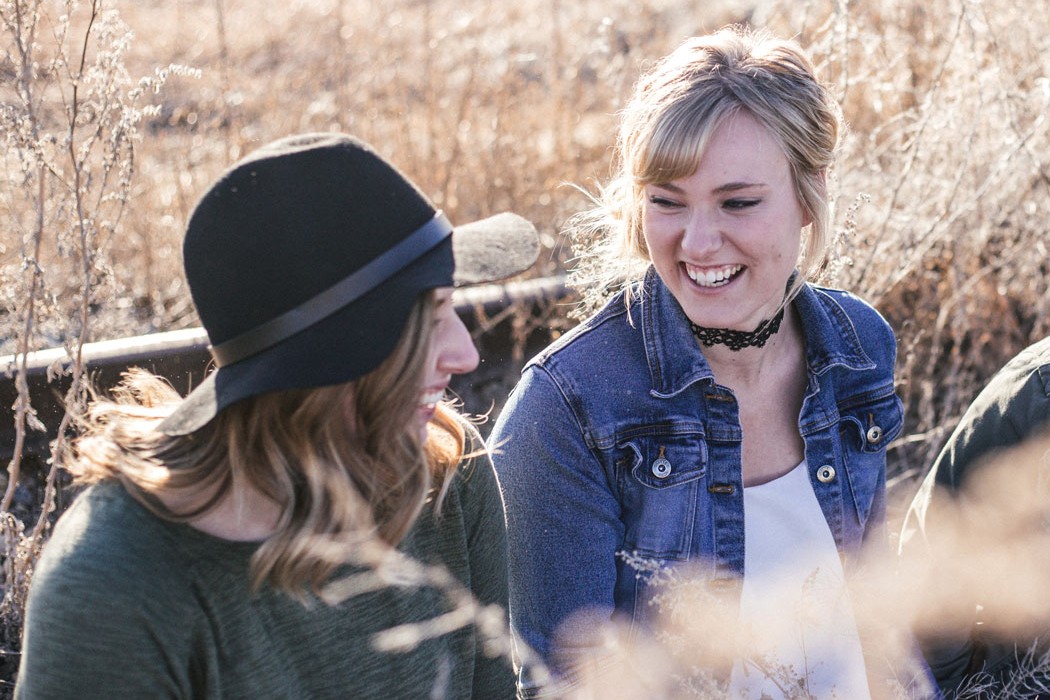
(506,321)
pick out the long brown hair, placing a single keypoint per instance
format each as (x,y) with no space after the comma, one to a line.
(340,461)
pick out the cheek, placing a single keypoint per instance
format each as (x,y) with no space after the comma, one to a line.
(430,363)
(656,238)
(786,247)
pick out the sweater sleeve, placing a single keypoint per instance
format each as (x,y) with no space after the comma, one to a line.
(486,537)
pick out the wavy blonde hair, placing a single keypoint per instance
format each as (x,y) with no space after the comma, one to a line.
(664,129)
(338,460)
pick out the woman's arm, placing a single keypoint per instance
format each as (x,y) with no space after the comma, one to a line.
(563,523)
(486,536)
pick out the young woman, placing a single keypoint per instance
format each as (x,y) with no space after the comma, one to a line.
(720,409)
(259,538)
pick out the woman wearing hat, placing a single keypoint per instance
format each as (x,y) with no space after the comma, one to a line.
(269,535)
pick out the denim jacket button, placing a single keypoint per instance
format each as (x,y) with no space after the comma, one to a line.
(826,474)
(874,435)
(661,468)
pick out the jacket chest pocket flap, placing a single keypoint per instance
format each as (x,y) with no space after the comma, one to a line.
(869,427)
(660,477)
(866,429)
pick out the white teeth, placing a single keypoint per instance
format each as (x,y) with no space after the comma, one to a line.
(431,398)
(712,278)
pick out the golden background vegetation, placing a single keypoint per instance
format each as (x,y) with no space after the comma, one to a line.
(116,115)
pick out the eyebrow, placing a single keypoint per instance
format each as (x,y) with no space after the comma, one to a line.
(721,189)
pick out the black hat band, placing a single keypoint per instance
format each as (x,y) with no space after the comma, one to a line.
(345,292)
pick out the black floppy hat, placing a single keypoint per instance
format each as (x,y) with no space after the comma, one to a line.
(304,260)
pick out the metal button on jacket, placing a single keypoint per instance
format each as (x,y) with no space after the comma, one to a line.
(826,474)
(661,467)
(874,435)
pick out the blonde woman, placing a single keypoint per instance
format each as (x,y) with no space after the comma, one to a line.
(255,538)
(720,409)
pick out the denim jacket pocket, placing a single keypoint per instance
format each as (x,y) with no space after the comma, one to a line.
(866,428)
(660,476)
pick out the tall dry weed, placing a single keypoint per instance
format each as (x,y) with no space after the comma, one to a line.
(946,169)
(69,118)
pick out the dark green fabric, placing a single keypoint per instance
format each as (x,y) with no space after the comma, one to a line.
(1012,407)
(125,605)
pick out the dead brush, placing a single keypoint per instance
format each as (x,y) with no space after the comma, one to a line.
(68,119)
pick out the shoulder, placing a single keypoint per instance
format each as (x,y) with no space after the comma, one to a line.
(572,370)
(105,529)
(1033,361)
(844,319)
(108,547)
(616,320)
(864,316)
(473,478)
(472,494)
(1012,407)
(1023,381)
(1019,393)
(109,582)
(469,525)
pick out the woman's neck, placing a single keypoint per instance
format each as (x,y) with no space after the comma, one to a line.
(243,514)
(753,365)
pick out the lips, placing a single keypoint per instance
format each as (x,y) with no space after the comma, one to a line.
(712,276)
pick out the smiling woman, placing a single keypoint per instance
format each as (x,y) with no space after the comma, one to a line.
(257,538)
(744,423)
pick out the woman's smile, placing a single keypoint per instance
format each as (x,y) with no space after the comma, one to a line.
(712,276)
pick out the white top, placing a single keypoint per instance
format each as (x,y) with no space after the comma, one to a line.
(795,611)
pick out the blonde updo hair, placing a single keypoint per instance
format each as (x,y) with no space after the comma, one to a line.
(664,129)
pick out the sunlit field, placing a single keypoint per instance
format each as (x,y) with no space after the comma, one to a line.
(115,115)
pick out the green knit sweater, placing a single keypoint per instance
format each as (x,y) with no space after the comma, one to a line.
(126,605)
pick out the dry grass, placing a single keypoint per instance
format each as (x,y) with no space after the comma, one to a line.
(941,192)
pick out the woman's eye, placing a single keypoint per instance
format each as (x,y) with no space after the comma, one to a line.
(738,204)
(659,201)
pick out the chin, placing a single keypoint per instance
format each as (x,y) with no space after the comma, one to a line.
(423,419)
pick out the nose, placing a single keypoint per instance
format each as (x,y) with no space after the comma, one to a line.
(456,353)
(702,235)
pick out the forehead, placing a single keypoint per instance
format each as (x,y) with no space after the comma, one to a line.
(742,145)
(740,150)
(683,146)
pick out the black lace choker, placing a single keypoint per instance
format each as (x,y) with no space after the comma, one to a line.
(738,340)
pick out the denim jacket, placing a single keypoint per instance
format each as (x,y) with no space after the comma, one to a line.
(617,440)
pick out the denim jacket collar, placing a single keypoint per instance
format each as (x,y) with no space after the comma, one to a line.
(675,361)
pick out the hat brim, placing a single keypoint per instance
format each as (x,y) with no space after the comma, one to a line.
(493,249)
(344,345)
